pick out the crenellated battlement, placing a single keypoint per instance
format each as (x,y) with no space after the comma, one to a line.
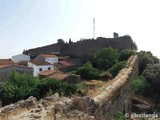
(84,48)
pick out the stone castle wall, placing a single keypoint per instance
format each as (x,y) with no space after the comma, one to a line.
(84,48)
(49,49)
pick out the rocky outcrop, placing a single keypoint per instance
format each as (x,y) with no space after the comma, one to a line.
(29,108)
(17,107)
(30,102)
(72,109)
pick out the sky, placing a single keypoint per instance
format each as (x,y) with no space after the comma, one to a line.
(26,24)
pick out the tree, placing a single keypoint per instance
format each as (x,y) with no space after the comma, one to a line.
(105,58)
(70,41)
(18,87)
(21,86)
(117,67)
(146,58)
(125,54)
(87,71)
(60,41)
(139,84)
(50,86)
(149,67)
(152,74)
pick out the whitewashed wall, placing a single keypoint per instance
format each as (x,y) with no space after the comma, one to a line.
(52,60)
(36,68)
(20,57)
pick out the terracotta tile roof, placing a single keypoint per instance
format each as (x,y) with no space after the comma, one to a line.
(5,66)
(66,63)
(22,66)
(24,63)
(64,57)
(58,75)
(6,62)
(47,55)
(58,65)
(38,62)
(47,72)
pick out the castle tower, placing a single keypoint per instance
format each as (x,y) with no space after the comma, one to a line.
(115,35)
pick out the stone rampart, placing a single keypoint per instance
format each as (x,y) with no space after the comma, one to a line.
(84,48)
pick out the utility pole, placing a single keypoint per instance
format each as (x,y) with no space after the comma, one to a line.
(93,28)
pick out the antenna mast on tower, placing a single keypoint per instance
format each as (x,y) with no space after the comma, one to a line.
(93,28)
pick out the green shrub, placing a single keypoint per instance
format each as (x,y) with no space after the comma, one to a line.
(117,67)
(21,86)
(125,54)
(82,88)
(105,58)
(119,115)
(51,86)
(87,71)
(146,58)
(72,72)
(105,75)
(139,84)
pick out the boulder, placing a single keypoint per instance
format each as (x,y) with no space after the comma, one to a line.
(54,97)
(7,108)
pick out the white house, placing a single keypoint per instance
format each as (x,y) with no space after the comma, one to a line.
(39,66)
(20,57)
(6,70)
(47,57)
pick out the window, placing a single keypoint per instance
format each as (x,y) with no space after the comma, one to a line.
(40,69)
(49,68)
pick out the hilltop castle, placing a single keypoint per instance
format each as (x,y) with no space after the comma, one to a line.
(84,48)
